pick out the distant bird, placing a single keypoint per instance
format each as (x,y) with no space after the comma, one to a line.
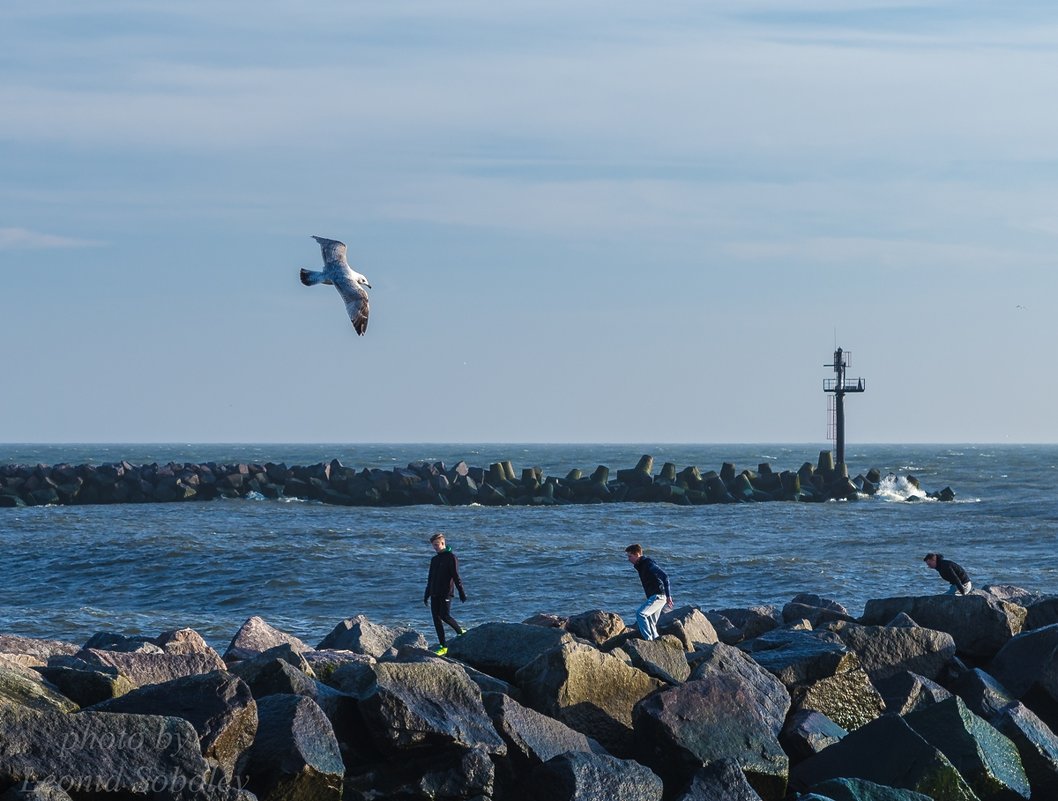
(1023,308)
(349,283)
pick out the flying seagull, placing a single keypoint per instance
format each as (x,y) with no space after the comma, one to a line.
(349,283)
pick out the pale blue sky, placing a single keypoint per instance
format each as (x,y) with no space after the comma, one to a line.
(594,221)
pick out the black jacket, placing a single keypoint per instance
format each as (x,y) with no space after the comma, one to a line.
(952,572)
(655,581)
(444,577)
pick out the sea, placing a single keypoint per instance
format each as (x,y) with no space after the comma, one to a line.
(71,571)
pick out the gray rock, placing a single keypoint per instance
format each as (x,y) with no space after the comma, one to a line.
(1041,612)
(460,774)
(96,752)
(686,727)
(752,621)
(719,781)
(587,690)
(808,732)
(295,754)
(577,776)
(690,626)
(1037,745)
(800,657)
(905,692)
(120,643)
(533,738)
(424,705)
(887,650)
(767,691)
(28,688)
(910,762)
(726,631)
(848,698)
(596,626)
(85,684)
(663,658)
(980,624)
(360,635)
(143,668)
(218,705)
(1028,667)
(33,646)
(815,609)
(256,636)
(324,663)
(986,759)
(502,649)
(981,692)
(183,641)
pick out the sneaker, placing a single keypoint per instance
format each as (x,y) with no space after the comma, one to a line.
(440,650)
(461,632)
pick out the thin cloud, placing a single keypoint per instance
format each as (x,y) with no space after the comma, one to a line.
(24,239)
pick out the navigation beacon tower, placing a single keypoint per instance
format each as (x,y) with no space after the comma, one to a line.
(836,400)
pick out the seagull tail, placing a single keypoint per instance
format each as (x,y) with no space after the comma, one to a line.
(310,277)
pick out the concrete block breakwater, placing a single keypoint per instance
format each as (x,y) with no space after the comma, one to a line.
(435,483)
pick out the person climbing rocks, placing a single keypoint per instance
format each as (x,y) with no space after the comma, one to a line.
(951,572)
(656,586)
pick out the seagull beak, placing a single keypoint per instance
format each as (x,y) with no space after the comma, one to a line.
(368,285)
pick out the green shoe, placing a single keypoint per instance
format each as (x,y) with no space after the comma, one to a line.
(440,650)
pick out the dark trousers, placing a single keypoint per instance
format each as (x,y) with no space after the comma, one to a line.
(441,609)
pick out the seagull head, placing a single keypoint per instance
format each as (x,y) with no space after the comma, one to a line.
(363,280)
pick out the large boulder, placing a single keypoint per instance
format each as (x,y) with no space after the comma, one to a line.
(984,757)
(97,752)
(360,635)
(255,636)
(152,668)
(531,737)
(815,609)
(588,690)
(808,732)
(595,626)
(217,704)
(719,781)
(1036,743)
(1027,666)
(848,698)
(502,649)
(28,688)
(83,683)
(690,626)
(980,624)
(800,657)
(295,754)
(40,649)
(980,692)
(749,622)
(885,651)
(683,728)
(905,692)
(910,762)
(579,776)
(426,706)
(465,773)
(663,658)
(771,694)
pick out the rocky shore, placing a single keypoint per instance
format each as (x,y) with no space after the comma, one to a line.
(434,483)
(934,697)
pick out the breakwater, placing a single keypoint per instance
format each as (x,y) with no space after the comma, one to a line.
(424,482)
(921,697)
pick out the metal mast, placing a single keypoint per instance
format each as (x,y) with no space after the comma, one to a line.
(836,401)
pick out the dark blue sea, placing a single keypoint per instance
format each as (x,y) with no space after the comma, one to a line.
(303,566)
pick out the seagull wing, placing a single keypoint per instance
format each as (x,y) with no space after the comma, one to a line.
(356,304)
(333,250)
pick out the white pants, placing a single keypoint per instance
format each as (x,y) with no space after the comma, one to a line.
(647,616)
(963,590)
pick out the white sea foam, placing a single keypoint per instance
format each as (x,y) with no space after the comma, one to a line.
(897,488)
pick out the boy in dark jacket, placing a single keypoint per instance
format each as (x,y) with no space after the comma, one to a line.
(441,584)
(950,572)
(656,586)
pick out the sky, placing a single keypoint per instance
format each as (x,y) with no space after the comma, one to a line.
(582,221)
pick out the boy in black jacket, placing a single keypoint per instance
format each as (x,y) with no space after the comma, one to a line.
(950,572)
(441,584)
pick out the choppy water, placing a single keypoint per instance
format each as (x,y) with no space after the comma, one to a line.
(72,571)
